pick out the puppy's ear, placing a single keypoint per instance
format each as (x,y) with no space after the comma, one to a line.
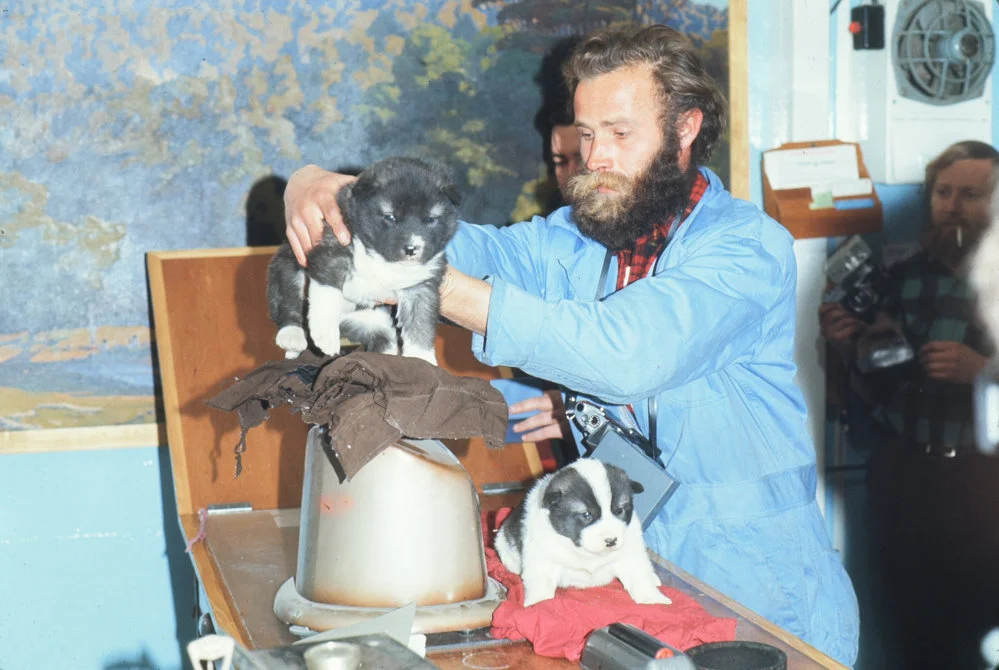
(345,199)
(636,487)
(551,498)
(452,193)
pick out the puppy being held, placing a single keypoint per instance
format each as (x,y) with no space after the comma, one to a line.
(577,527)
(401,213)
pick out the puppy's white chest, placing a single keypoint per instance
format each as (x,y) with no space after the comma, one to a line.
(375,279)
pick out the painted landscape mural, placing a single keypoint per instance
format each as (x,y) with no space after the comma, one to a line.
(130,126)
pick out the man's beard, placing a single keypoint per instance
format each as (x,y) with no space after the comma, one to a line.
(639,203)
(951,243)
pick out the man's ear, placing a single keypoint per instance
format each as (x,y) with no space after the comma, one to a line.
(688,128)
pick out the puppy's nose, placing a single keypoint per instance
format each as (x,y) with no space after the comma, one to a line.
(610,541)
(411,250)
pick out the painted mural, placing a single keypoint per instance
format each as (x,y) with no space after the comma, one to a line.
(132,126)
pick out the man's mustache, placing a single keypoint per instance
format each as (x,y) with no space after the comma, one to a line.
(590,181)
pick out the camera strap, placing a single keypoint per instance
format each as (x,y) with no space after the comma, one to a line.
(653,405)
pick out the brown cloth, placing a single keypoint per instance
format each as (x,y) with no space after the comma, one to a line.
(368,401)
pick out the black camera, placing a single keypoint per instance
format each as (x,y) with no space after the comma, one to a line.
(607,440)
(860,285)
(865,289)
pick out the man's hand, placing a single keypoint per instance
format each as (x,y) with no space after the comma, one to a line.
(310,204)
(550,422)
(839,327)
(949,361)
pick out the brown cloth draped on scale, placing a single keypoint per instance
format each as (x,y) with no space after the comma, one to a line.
(367,401)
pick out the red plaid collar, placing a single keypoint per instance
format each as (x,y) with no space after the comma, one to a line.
(637,262)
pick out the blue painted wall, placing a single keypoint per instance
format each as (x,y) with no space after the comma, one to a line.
(92,566)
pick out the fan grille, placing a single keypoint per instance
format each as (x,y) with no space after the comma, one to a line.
(944,50)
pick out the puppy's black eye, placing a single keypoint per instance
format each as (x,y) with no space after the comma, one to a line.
(430,220)
(389,218)
(586,516)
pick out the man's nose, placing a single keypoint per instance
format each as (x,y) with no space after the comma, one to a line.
(599,159)
(952,204)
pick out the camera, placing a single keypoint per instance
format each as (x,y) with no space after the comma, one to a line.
(860,285)
(596,426)
(607,440)
(866,291)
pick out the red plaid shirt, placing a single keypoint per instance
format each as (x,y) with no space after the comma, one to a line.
(635,263)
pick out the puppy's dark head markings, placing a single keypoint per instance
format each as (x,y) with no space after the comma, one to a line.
(591,503)
(405,209)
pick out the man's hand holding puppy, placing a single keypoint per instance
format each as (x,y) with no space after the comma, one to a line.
(310,205)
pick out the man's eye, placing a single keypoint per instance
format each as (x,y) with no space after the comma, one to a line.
(389,218)
(621,134)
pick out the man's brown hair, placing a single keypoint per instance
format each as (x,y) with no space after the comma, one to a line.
(959,151)
(681,79)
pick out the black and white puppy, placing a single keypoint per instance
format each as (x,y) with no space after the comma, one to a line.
(577,527)
(401,213)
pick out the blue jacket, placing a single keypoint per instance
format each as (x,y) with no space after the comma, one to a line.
(710,333)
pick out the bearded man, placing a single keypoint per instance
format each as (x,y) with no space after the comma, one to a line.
(933,496)
(672,304)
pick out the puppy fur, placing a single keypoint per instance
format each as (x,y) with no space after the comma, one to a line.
(401,213)
(577,527)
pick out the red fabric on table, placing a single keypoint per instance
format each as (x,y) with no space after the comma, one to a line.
(558,627)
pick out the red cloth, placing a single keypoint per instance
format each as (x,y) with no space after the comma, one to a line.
(558,627)
(635,263)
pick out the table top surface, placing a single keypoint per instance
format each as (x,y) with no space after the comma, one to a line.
(246,556)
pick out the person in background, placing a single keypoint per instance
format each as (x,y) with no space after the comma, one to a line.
(565,153)
(672,305)
(934,498)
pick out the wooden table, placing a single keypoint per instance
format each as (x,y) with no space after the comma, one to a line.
(246,556)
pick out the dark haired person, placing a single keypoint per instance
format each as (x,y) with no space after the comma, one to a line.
(555,122)
(659,295)
(934,498)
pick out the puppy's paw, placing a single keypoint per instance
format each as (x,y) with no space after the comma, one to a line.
(650,596)
(327,341)
(292,340)
(428,355)
(536,590)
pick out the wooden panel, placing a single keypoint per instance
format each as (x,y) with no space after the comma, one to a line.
(738,97)
(212,326)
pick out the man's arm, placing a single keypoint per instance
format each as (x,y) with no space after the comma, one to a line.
(687,322)
(465,300)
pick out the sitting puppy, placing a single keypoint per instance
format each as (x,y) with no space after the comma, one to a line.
(401,213)
(576,527)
